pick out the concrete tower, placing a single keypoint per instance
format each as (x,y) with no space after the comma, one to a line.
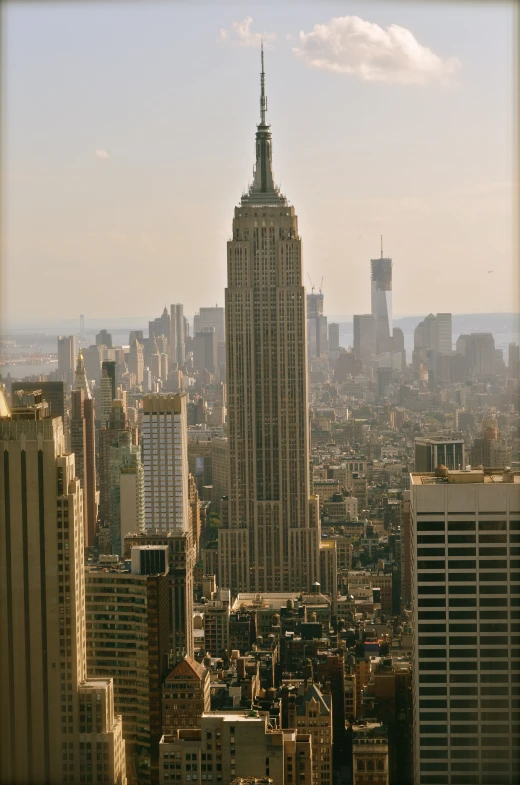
(270,540)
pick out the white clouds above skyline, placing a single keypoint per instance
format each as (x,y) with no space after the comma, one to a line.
(177,107)
(351,45)
(242,35)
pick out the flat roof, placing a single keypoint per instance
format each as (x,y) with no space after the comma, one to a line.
(460,477)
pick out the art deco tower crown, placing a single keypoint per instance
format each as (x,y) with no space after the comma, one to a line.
(263,190)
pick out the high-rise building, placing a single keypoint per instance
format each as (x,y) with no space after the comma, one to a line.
(381,300)
(78,440)
(160,326)
(110,367)
(435,333)
(103,398)
(52,392)
(181,556)
(66,357)
(210,317)
(333,338)
(195,517)
(317,340)
(465,529)
(432,451)
(177,334)
(104,338)
(47,731)
(205,350)
(135,648)
(92,358)
(365,337)
(444,333)
(270,541)
(513,363)
(121,478)
(83,439)
(136,360)
(165,461)
(117,422)
(479,349)
(398,340)
(219,469)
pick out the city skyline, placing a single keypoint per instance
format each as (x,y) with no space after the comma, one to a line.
(404,155)
(244,539)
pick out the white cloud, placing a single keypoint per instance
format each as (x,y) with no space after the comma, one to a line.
(350,45)
(242,35)
(102,154)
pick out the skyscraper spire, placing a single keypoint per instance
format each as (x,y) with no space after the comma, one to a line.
(80,377)
(263,190)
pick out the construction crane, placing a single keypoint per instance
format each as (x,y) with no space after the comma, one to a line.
(311,283)
(321,284)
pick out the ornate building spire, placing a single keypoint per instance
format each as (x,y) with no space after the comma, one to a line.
(263,190)
(80,377)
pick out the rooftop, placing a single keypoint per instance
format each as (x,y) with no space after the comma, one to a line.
(444,476)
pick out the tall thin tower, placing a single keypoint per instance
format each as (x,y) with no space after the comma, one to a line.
(381,298)
(83,443)
(269,535)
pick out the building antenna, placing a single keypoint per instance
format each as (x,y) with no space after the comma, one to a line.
(263,99)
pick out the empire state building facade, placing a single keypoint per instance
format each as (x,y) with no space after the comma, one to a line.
(270,532)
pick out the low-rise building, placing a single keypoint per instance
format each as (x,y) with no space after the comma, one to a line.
(185,695)
(310,711)
(235,744)
(369,753)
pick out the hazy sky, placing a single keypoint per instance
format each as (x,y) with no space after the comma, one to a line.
(129,137)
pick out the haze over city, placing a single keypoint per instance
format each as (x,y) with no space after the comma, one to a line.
(128,137)
(259,396)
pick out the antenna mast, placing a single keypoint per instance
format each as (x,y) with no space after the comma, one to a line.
(263,98)
(381,246)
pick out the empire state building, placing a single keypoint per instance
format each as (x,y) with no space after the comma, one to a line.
(270,532)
